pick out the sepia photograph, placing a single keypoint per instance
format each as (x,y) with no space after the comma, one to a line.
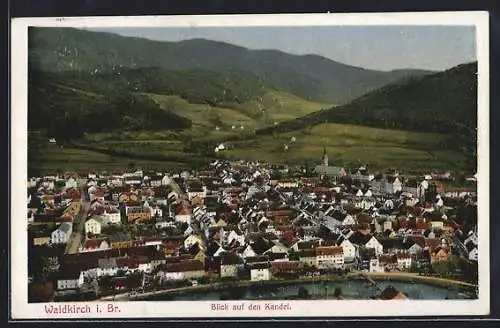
(250,166)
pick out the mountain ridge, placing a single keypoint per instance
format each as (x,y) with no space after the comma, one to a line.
(310,76)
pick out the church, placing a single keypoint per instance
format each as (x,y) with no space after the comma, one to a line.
(325,170)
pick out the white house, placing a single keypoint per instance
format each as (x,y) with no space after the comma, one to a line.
(229,265)
(93,226)
(404,260)
(328,257)
(70,280)
(62,233)
(374,243)
(233,236)
(349,250)
(166,180)
(156,211)
(71,183)
(375,266)
(397,185)
(415,249)
(192,240)
(277,248)
(348,220)
(248,252)
(473,254)
(260,272)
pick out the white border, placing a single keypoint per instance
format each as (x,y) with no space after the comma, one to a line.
(20,309)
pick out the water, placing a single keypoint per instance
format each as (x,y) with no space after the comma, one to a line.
(352,289)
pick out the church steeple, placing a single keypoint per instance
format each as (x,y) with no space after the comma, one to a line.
(325,157)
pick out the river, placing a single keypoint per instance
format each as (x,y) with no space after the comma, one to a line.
(351,289)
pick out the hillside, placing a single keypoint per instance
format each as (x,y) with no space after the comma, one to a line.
(444,102)
(70,103)
(310,77)
(67,112)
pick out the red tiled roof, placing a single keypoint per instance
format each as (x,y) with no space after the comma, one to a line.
(93,243)
(285,265)
(329,250)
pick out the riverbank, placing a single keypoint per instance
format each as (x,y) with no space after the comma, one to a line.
(383,276)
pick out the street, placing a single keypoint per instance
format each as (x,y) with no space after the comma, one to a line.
(79,222)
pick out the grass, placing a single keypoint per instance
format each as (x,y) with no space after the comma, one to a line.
(51,158)
(346,145)
(351,145)
(280,106)
(203,115)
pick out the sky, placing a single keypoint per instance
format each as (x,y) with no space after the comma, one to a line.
(375,47)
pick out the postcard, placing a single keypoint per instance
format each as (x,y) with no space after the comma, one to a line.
(250,166)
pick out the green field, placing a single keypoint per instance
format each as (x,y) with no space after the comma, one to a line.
(51,159)
(273,106)
(351,145)
(347,145)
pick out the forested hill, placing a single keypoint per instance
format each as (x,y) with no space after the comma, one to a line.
(310,77)
(67,111)
(441,102)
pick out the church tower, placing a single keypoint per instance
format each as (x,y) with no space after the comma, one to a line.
(325,157)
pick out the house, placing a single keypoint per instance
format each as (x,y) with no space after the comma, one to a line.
(404,260)
(121,240)
(69,278)
(376,266)
(93,226)
(285,269)
(183,214)
(307,257)
(112,216)
(388,261)
(440,255)
(329,257)
(71,183)
(229,265)
(233,236)
(374,243)
(192,240)
(259,271)
(277,248)
(62,233)
(397,186)
(349,250)
(166,180)
(138,214)
(107,267)
(182,270)
(93,245)
(248,252)
(473,254)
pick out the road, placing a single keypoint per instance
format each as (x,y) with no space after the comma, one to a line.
(78,233)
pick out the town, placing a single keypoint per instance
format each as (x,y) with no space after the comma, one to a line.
(106,234)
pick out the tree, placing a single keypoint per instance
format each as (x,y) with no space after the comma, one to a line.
(337,293)
(303,293)
(134,280)
(50,265)
(106,282)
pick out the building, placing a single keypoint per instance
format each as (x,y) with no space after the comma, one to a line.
(229,265)
(259,271)
(121,240)
(328,257)
(69,278)
(93,226)
(62,233)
